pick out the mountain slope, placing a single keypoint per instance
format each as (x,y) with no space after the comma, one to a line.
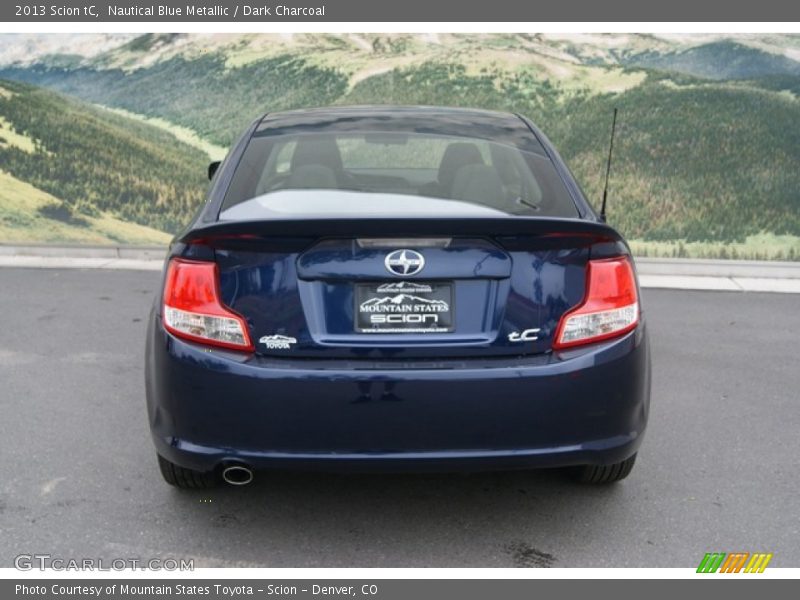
(719,60)
(711,156)
(693,161)
(28,215)
(98,163)
(201,94)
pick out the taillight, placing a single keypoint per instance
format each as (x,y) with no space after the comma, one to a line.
(609,308)
(193,309)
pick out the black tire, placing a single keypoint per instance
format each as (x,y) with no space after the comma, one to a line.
(186,479)
(600,474)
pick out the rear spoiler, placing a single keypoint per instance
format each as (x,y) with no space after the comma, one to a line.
(511,233)
(541,227)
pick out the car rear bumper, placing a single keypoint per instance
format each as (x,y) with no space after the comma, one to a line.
(207,407)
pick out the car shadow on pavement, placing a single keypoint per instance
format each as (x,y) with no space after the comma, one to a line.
(371,520)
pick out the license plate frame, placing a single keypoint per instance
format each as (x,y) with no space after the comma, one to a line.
(404,307)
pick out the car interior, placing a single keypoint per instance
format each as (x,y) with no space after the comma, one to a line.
(468,170)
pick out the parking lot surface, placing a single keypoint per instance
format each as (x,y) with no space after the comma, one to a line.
(718,470)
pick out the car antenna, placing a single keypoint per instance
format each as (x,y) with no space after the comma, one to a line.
(608,165)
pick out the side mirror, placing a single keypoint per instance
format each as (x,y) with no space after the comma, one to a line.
(212,168)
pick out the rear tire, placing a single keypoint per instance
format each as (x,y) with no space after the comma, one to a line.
(602,474)
(186,479)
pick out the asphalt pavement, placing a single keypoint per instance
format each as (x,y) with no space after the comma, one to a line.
(719,469)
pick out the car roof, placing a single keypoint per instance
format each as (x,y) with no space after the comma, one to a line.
(437,120)
(395,109)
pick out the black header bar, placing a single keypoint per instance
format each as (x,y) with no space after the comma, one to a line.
(332,11)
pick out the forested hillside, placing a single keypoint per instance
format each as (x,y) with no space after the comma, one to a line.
(96,162)
(28,214)
(708,141)
(721,60)
(201,94)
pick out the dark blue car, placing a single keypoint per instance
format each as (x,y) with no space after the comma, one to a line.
(381,288)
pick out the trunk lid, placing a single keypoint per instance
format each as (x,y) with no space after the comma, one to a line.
(328,288)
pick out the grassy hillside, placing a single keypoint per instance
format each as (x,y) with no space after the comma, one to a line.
(719,60)
(201,94)
(707,150)
(694,160)
(26,215)
(96,163)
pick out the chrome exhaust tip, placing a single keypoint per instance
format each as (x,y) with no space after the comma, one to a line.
(237,474)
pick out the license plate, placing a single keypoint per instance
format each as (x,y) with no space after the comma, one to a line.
(404,307)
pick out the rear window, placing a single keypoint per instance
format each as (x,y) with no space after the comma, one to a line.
(278,172)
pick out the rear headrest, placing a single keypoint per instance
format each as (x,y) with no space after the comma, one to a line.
(456,156)
(315,177)
(317,151)
(478,183)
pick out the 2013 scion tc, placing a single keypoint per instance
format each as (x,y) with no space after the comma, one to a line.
(378,288)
